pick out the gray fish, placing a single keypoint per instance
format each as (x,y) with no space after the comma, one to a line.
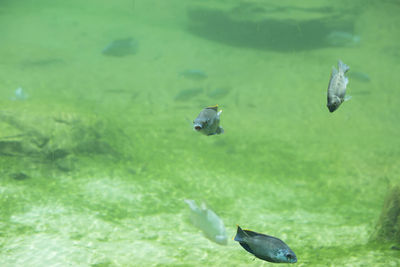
(337,87)
(265,247)
(121,47)
(208,121)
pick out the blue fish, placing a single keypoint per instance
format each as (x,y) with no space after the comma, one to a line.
(265,247)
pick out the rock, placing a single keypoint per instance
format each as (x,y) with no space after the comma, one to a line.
(388,226)
(66,164)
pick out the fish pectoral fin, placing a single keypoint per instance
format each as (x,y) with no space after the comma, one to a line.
(220,130)
(347,98)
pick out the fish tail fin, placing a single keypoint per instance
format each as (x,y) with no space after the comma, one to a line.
(240,235)
(343,66)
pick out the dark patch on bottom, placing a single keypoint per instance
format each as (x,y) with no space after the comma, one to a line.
(19,176)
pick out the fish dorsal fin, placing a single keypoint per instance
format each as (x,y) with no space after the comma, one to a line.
(213,107)
(250,233)
(254,234)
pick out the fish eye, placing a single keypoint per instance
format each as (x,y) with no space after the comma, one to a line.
(289,256)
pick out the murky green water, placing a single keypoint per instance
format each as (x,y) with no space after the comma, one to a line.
(97,151)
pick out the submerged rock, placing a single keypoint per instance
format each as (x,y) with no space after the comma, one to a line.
(11,147)
(388,226)
(19,176)
(66,164)
(56,142)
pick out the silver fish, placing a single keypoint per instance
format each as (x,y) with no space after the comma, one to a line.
(208,121)
(208,222)
(341,38)
(265,247)
(337,87)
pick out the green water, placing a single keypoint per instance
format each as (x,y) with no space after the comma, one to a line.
(97,160)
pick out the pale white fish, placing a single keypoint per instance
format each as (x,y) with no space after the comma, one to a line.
(208,222)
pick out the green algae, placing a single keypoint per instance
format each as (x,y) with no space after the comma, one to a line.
(93,178)
(388,226)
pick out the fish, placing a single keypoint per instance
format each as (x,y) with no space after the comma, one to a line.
(265,247)
(342,38)
(208,121)
(208,222)
(19,94)
(188,94)
(337,87)
(219,92)
(49,62)
(194,74)
(360,76)
(121,47)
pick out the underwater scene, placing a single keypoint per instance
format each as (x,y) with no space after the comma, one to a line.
(199,133)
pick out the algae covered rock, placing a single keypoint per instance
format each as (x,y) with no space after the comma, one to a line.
(51,140)
(388,226)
